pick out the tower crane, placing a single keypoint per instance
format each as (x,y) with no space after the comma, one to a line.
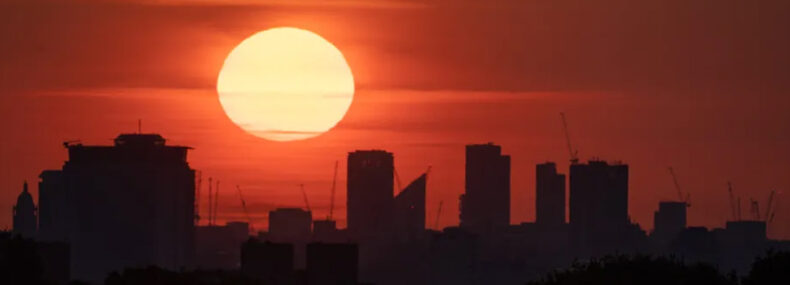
(677,187)
(755,209)
(244,207)
(573,153)
(332,197)
(769,205)
(216,203)
(304,195)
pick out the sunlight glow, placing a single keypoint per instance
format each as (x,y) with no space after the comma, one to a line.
(285,84)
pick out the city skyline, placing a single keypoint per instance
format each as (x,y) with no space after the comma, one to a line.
(693,85)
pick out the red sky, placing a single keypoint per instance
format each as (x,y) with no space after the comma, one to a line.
(698,85)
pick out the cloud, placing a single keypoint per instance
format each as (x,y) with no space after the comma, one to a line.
(499,45)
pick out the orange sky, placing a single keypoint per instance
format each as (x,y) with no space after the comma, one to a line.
(698,85)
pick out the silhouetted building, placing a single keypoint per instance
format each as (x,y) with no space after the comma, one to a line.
(289,225)
(598,206)
(370,193)
(332,264)
(129,204)
(409,218)
(53,211)
(485,204)
(218,247)
(326,231)
(25,214)
(669,221)
(549,195)
(272,263)
(745,232)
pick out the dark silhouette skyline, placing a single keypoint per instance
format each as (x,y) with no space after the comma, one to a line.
(132,204)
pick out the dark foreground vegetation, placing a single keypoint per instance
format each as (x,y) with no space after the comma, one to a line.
(772,268)
(21,263)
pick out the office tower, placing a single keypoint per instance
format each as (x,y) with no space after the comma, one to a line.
(549,195)
(409,218)
(598,205)
(370,190)
(485,205)
(289,225)
(25,214)
(129,204)
(332,263)
(272,263)
(52,207)
(669,221)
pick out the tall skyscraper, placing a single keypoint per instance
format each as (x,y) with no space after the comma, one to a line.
(409,218)
(549,195)
(25,214)
(669,221)
(370,190)
(598,205)
(127,205)
(485,204)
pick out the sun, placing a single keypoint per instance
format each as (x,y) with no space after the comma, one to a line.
(285,84)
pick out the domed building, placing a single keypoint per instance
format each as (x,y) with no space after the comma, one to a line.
(25,214)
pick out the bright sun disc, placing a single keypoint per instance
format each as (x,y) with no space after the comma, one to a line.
(285,84)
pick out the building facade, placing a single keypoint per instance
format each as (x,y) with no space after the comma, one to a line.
(370,193)
(549,195)
(485,204)
(129,204)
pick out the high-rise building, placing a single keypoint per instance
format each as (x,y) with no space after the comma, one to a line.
(485,204)
(290,224)
(669,220)
(25,214)
(549,195)
(370,189)
(129,204)
(409,218)
(332,263)
(598,205)
(53,213)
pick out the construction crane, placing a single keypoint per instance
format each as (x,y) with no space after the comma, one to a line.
(216,203)
(573,153)
(304,194)
(677,187)
(768,206)
(438,215)
(332,197)
(732,201)
(739,208)
(244,207)
(755,209)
